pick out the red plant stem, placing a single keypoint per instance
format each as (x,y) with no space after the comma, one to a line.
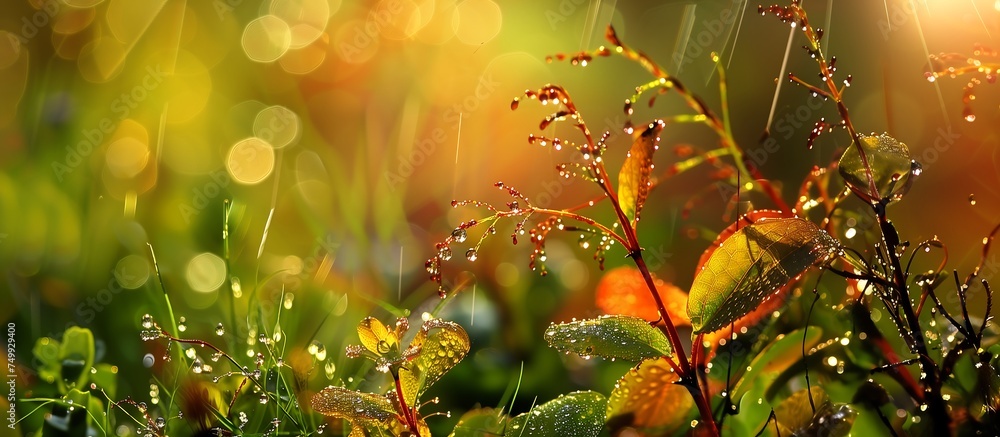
(407,413)
(687,373)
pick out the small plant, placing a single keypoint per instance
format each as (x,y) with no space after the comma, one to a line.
(751,277)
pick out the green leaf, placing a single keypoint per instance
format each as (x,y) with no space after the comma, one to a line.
(106,378)
(578,414)
(481,422)
(46,351)
(633,178)
(76,357)
(890,164)
(442,345)
(795,415)
(614,337)
(754,262)
(648,398)
(782,353)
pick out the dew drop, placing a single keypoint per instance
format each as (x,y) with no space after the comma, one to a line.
(197,366)
(972,199)
(182,324)
(459,235)
(220,330)
(444,253)
(471,254)
(263,398)
(147,321)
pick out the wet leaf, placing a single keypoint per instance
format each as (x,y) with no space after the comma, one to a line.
(442,345)
(795,415)
(363,410)
(633,178)
(578,414)
(773,302)
(613,337)
(623,291)
(375,336)
(890,165)
(647,398)
(754,262)
(482,422)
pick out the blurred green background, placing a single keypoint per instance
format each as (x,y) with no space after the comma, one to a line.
(345,128)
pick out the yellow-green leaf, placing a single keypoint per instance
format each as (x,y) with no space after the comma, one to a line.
(578,414)
(442,345)
(754,262)
(613,337)
(633,178)
(353,405)
(776,357)
(890,164)
(375,336)
(648,399)
(481,422)
(76,357)
(795,415)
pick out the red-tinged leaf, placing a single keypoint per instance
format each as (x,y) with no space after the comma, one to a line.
(633,178)
(648,398)
(773,302)
(623,291)
(756,261)
(748,218)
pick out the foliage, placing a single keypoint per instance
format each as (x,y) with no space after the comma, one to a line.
(874,350)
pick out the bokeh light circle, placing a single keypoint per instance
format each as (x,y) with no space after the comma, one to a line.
(277,125)
(132,271)
(266,39)
(306,19)
(205,272)
(127,157)
(250,161)
(476,21)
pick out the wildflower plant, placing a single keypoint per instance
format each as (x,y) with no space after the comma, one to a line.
(748,276)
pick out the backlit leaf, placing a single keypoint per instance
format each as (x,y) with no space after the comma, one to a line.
(623,291)
(375,336)
(754,262)
(795,415)
(890,164)
(647,398)
(442,345)
(578,414)
(482,422)
(613,337)
(76,357)
(352,405)
(633,178)
(364,411)
(776,357)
